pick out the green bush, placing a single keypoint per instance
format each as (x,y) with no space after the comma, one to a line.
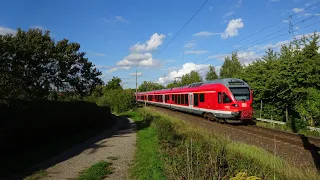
(297,124)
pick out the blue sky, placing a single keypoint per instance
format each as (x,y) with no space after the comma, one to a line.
(123,36)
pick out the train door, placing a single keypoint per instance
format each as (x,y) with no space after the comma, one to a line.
(190,100)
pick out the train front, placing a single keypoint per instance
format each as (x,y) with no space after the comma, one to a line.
(243,98)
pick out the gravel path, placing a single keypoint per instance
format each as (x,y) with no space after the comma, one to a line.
(118,149)
(295,153)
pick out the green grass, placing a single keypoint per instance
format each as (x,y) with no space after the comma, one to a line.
(37,175)
(147,160)
(97,171)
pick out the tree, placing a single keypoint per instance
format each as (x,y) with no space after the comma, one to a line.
(211,74)
(231,68)
(150,86)
(190,78)
(33,65)
(114,83)
(174,84)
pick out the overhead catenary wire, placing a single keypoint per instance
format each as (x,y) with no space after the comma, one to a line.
(262,42)
(261,30)
(263,51)
(182,28)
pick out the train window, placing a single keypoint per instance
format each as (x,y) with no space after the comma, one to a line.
(182,98)
(186,99)
(226,99)
(175,98)
(179,99)
(195,99)
(201,97)
(219,97)
(172,96)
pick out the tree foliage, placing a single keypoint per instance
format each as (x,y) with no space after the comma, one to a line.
(231,68)
(149,86)
(32,66)
(288,80)
(211,74)
(114,83)
(190,78)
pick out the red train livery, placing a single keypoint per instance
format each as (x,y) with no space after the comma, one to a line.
(222,99)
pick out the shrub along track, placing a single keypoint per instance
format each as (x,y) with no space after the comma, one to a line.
(295,149)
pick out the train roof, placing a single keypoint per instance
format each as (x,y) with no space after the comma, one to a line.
(228,82)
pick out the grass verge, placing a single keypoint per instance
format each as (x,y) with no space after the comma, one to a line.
(147,160)
(179,150)
(97,171)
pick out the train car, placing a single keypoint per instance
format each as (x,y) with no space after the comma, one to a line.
(228,99)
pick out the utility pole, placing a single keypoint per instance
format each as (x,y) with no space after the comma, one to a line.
(290,26)
(136,86)
(260,108)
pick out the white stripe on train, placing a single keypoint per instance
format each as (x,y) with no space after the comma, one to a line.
(190,108)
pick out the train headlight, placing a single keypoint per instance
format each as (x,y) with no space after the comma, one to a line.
(235,105)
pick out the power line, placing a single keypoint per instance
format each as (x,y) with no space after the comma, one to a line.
(268,39)
(181,28)
(261,30)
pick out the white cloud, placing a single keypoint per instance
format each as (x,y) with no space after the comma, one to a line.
(134,74)
(185,69)
(307,14)
(170,34)
(144,59)
(317,14)
(245,57)
(189,45)
(120,18)
(205,33)
(115,19)
(5,30)
(118,68)
(297,10)
(285,21)
(306,35)
(297,28)
(170,61)
(229,13)
(102,67)
(232,28)
(149,45)
(278,44)
(274,0)
(307,4)
(195,52)
(210,8)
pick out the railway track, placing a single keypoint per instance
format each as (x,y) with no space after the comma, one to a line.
(296,149)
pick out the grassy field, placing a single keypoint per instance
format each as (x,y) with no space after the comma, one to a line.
(97,171)
(169,148)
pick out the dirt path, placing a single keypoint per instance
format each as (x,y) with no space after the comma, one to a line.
(118,149)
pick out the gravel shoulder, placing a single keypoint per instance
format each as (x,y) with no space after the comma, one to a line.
(116,145)
(292,153)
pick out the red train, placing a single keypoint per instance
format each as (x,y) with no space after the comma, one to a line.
(226,99)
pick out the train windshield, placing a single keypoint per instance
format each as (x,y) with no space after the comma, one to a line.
(240,93)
